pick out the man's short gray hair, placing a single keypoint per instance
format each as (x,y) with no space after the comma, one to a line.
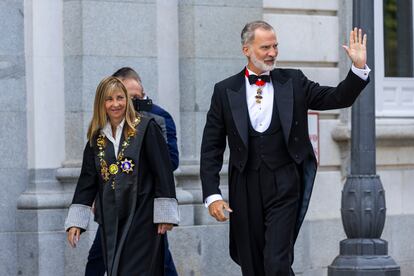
(247,34)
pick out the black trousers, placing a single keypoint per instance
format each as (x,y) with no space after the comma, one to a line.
(262,224)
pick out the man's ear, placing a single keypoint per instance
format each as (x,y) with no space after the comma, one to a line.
(246,51)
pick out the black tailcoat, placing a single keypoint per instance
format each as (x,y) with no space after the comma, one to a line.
(228,117)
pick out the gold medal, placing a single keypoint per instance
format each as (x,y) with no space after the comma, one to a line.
(259,96)
(127,165)
(113,168)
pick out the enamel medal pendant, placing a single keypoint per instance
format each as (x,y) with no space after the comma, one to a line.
(127,165)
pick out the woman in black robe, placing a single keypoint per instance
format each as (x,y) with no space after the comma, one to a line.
(126,170)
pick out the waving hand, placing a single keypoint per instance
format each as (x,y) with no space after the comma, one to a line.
(357,49)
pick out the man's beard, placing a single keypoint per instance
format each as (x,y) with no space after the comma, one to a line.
(261,65)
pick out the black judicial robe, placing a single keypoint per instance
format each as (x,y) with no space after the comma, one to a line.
(131,244)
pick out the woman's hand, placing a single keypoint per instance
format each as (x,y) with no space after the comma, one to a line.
(164,227)
(73,236)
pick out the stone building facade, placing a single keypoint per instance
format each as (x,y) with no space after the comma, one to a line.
(53,53)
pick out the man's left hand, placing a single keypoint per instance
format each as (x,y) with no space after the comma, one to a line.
(357,49)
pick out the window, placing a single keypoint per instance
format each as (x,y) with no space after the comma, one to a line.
(394,58)
(398,38)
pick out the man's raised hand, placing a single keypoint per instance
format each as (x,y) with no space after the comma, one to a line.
(357,49)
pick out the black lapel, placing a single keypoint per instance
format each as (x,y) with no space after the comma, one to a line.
(238,106)
(283,91)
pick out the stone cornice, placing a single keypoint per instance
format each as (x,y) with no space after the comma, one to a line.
(388,133)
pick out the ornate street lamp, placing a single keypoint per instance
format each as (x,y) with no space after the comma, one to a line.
(363,198)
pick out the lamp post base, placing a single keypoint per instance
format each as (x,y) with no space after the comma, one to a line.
(363,257)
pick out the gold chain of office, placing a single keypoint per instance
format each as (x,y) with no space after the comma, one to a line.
(122,163)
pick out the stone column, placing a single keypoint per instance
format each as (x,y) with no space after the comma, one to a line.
(168,84)
(99,38)
(40,209)
(13,128)
(167,59)
(209,51)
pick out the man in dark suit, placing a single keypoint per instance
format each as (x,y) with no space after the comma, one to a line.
(262,111)
(133,84)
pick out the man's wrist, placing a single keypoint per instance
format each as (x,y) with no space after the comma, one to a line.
(359,66)
(210,199)
(362,73)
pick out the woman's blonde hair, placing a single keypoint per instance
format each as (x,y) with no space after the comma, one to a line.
(99,119)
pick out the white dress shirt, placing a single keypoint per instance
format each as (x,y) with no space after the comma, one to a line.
(260,114)
(107,131)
